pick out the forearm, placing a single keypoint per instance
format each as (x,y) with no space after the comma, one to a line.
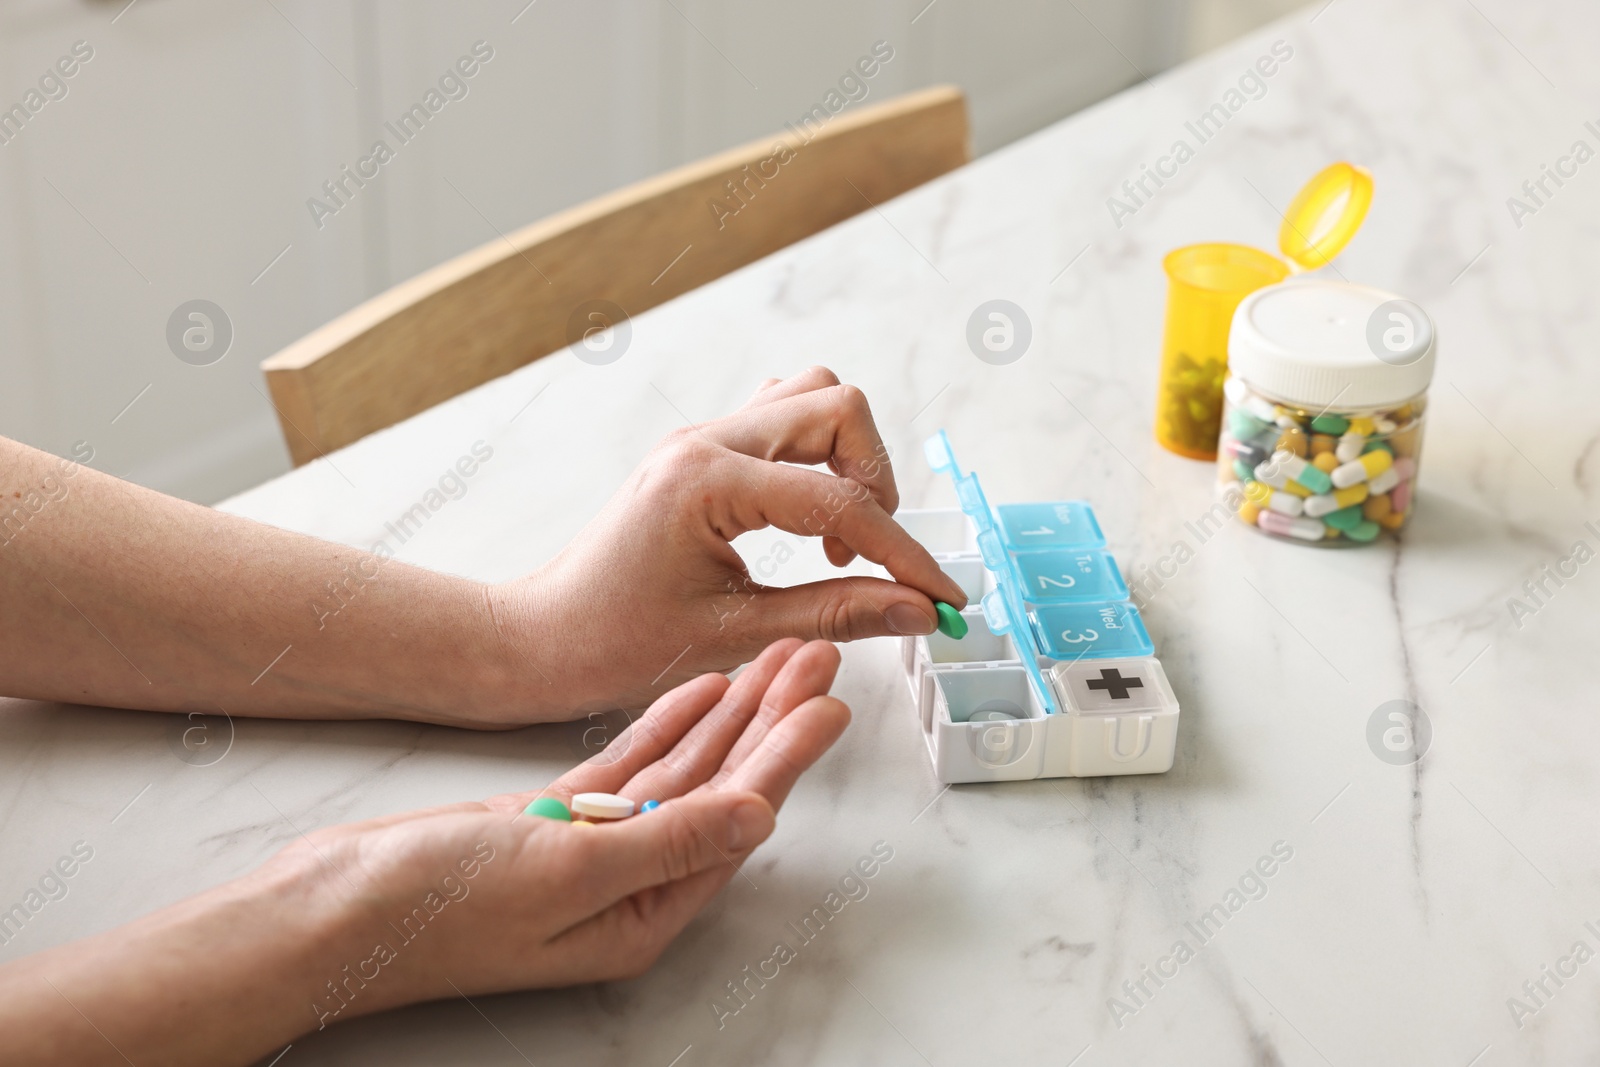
(120,596)
(225,977)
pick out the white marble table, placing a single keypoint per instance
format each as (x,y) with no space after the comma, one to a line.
(1418,898)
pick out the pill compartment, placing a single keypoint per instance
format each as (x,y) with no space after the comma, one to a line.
(969,573)
(999,704)
(1119,716)
(1069,574)
(988,725)
(981,646)
(942,531)
(1061,524)
(1094,630)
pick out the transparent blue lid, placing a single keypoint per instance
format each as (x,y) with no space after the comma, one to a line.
(1058,595)
(1003,606)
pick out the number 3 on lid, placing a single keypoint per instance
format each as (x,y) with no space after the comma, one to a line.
(1093,630)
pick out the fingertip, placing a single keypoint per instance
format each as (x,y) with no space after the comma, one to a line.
(834,713)
(783,649)
(911,619)
(751,821)
(826,650)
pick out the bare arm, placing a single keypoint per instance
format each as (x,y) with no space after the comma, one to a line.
(455,901)
(121,596)
(117,595)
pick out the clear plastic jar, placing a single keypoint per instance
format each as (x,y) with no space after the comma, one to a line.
(1323,411)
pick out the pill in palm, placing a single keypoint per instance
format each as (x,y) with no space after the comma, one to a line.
(548,808)
(649,805)
(602,806)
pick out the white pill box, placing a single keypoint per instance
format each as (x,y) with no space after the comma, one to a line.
(1057,676)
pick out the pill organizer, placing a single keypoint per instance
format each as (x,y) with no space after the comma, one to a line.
(1057,675)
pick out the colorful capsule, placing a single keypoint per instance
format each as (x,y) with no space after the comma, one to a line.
(1316,474)
(1269,499)
(1327,503)
(1368,466)
(1384,482)
(1400,498)
(1291,526)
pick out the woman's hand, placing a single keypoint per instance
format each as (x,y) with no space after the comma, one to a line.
(120,596)
(454,901)
(651,592)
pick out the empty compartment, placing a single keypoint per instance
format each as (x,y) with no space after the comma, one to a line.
(988,725)
(970,574)
(939,530)
(981,644)
(996,695)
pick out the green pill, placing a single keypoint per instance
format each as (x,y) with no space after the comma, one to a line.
(1330,424)
(1362,531)
(548,808)
(951,624)
(1346,519)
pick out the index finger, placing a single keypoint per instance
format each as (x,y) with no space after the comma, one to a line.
(831,425)
(811,504)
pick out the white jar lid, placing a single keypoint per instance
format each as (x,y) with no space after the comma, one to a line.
(1329,344)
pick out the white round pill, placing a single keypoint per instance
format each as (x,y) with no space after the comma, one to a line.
(602,806)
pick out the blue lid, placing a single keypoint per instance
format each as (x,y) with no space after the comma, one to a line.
(1079,609)
(1003,607)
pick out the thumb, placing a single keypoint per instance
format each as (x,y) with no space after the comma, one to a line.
(842,609)
(682,837)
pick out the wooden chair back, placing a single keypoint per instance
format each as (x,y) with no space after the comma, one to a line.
(517,298)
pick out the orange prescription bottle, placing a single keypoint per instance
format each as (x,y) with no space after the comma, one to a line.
(1206,282)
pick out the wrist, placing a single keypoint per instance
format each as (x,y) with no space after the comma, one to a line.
(525,677)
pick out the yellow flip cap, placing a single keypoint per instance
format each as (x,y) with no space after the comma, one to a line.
(1305,237)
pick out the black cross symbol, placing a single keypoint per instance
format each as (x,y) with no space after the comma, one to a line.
(1114,683)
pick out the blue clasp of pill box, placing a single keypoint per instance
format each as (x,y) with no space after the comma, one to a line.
(1057,592)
